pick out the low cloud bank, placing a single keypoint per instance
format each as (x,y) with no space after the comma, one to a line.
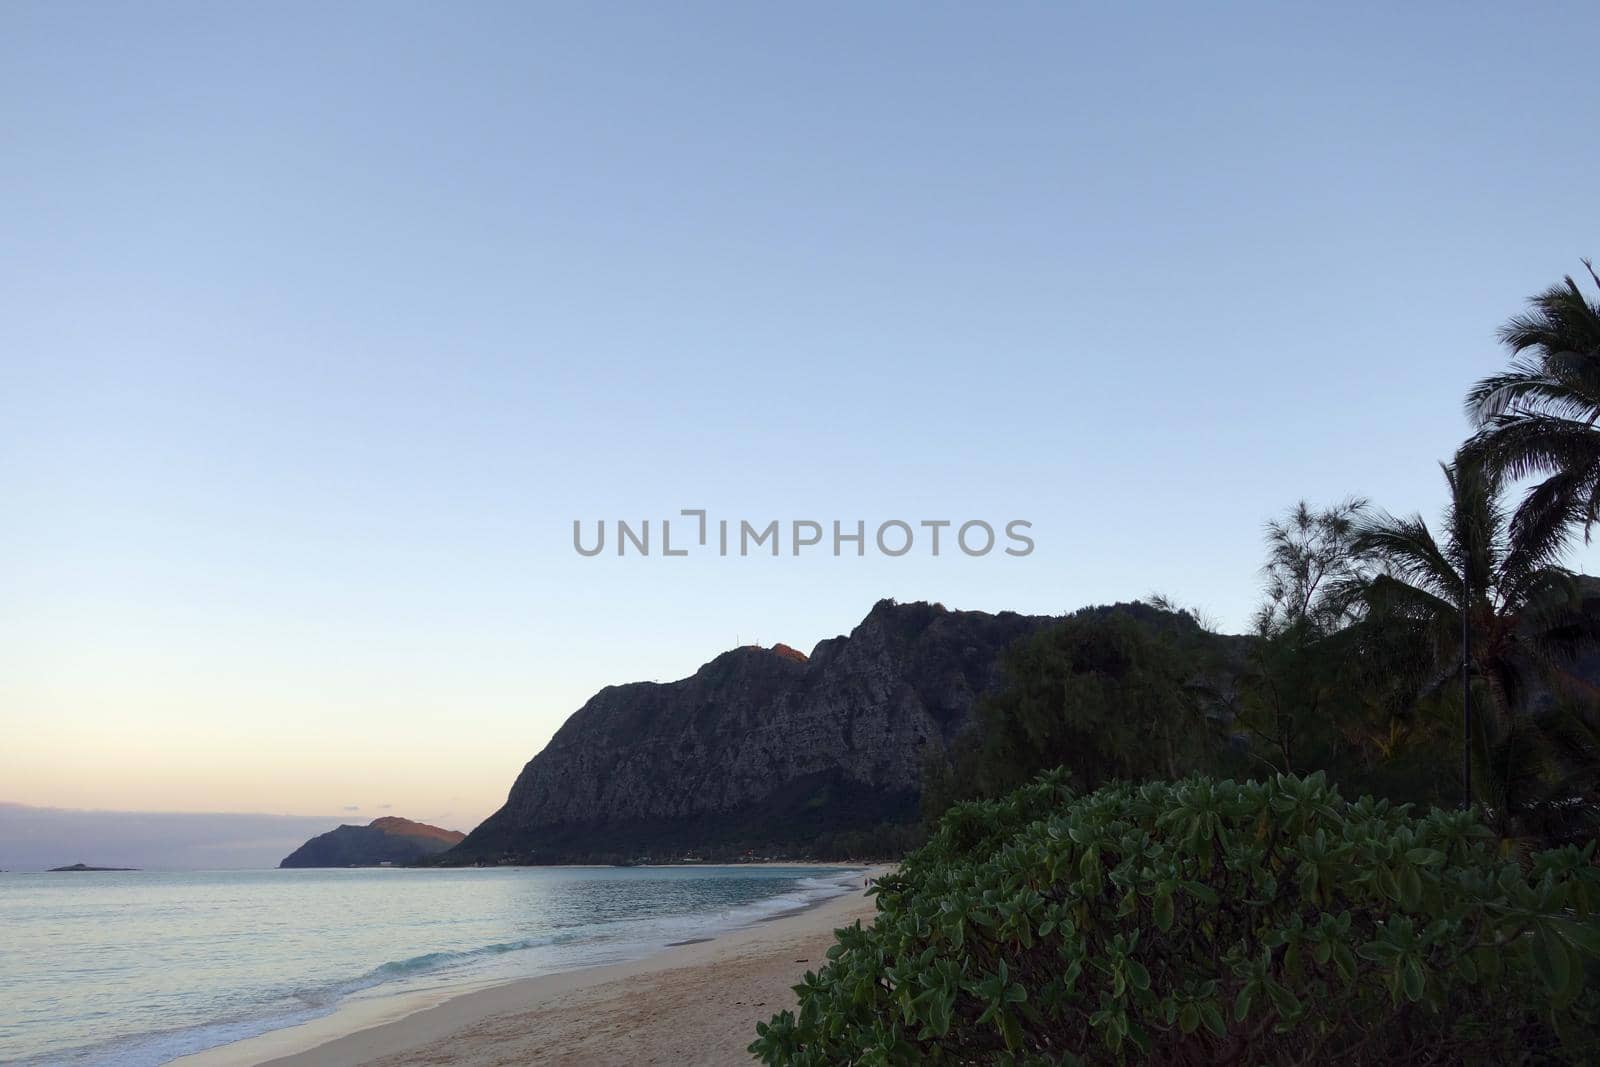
(33,839)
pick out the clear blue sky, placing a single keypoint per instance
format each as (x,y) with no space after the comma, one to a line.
(319,326)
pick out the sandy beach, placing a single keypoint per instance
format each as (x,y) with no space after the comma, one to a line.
(687,1004)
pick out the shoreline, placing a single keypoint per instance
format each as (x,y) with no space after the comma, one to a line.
(697,1002)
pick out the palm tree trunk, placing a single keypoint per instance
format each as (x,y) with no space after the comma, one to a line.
(1466,693)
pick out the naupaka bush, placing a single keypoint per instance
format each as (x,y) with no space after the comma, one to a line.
(1204,921)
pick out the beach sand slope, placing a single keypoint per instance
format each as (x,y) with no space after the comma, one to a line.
(690,1004)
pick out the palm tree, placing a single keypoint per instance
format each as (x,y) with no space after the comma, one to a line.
(1539,417)
(1503,586)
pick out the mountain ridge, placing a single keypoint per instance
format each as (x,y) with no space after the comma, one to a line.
(760,749)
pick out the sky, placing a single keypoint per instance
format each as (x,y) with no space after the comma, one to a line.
(37,839)
(320,327)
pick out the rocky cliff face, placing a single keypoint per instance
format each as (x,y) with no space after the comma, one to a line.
(760,748)
(386,840)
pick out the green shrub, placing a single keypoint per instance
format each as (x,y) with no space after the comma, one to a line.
(1206,921)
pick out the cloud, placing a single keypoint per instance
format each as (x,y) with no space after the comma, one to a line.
(37,838)
(352,807)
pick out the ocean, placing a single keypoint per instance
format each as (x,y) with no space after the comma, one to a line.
(139,968)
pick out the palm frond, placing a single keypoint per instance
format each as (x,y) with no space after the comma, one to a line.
(1411,555)
(1543,527)
(1476,522)
(1538,417)
(1560,320)
(1555,623)
(1567,385)
(1529,443)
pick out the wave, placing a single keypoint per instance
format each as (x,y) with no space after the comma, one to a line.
(575,946)
(808,892)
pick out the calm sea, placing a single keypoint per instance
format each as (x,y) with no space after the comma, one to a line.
(140,968)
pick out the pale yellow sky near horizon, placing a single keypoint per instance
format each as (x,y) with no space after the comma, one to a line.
(208,722)
(456,784)
(163,745)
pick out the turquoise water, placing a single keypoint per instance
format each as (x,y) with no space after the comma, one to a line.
(142,967)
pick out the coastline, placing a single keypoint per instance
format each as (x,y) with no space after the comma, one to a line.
(691,1002)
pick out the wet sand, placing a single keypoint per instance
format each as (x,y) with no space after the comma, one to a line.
(692,1003)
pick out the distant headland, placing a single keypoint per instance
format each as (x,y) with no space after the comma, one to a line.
(386,842)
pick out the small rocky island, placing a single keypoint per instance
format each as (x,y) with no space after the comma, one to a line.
(386,842)
(86,867)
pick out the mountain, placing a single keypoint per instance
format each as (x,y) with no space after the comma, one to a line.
(764,749)
(386,840)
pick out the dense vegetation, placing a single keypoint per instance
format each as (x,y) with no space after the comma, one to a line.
(1357,667)
(1201,921)
(1110,693)
(1204,917)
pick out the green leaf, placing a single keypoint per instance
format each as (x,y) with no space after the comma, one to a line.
(1345,960)
(1379,952)
(1010,1030)
(1583,936)
(1554,964)
(1283,999)
(1410,889)
(1411,979)
(1163,911)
